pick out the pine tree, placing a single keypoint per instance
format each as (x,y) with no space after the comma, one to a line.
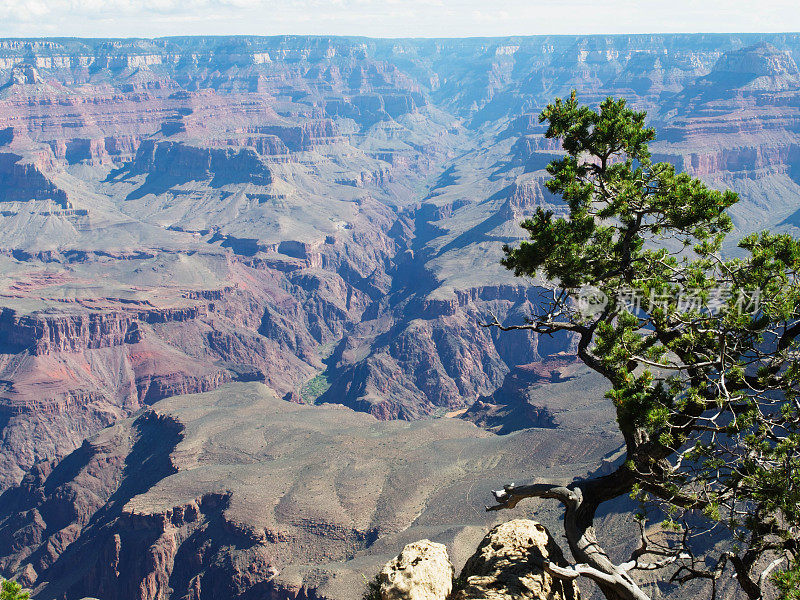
(700,353)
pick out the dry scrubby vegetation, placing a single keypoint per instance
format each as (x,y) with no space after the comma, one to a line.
(706,393)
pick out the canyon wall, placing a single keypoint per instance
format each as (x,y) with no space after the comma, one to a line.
(320,216)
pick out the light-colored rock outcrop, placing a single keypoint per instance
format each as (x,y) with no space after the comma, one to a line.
(422,571)
(508,564)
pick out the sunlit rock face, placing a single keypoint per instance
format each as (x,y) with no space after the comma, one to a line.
(422,571)
(508,565)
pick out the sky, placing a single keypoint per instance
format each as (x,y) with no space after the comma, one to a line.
(389,18)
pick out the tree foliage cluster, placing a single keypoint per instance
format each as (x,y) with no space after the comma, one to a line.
(11,590)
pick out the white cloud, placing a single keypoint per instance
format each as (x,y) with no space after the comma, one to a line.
(23,10)
(388,18)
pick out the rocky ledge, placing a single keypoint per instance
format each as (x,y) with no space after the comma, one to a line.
(508,564)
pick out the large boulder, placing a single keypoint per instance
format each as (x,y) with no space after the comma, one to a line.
(508,564)
(422,571)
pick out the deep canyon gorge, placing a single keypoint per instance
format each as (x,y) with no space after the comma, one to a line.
(243,279)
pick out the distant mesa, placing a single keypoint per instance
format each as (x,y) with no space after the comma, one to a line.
(764,65)
(758,68)
(509,408)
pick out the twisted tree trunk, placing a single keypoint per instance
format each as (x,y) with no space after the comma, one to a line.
(580,501)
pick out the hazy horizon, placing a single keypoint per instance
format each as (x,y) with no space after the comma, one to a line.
(374,37)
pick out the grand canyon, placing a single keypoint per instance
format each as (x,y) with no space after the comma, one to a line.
(243,281)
